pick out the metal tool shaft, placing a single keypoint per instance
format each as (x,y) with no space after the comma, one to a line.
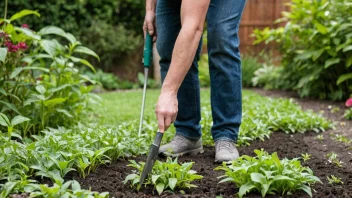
(146,69)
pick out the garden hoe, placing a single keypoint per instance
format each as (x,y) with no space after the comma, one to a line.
(154,149)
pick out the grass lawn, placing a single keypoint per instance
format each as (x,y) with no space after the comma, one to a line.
(120,107)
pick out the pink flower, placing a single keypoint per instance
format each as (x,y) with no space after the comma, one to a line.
(22,45)
(11,47)
(349,103)
(25,25)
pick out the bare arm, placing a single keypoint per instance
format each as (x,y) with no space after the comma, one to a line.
(149,21)
(193,13)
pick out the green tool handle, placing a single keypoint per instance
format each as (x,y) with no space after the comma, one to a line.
(147,53)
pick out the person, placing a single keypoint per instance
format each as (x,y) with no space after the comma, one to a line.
(177,27)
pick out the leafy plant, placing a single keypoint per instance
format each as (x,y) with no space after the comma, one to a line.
(108,80)
(267,174)
(334,180)
(250,64)
(348,114)
(333,158)
(316,47)
(320,137)
(165,175)
(39,76)
(203,67)
(306,157)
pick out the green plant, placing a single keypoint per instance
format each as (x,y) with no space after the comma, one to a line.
(150,84)
(341,138)
(334,180)
(108,80)
(109,27)
(39,76)
(250,64)
(316,47)
(333,158)
(268,76)
(203,68)
(320,137)
(268,174)
(348,114)
(165,175)
(306,157)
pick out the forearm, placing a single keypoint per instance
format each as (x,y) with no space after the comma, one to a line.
(182,57)
(151,5)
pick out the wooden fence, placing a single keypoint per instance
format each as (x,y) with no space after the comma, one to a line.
(259,14)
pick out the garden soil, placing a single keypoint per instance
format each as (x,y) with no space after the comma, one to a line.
(110,177)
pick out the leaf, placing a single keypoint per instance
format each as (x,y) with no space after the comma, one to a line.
(85,62)
(18,120)
(20,69)
(65,112)
(306,189)
(282,177)
(8,188)
(52,30)
(10,106)
(130,177)
(343,78)
(3,53)
(348,48)
(49,47)
(331,61)
(75,186)
(54,101)
(349,62)
(244,189)
(154,178)
(160,188)
(259,178)
(4,121)
(226,180)
(41,89)
(3,91)
(85,50)
(321,28)
(172,183)
(23,13)
(71,38)
(28,32)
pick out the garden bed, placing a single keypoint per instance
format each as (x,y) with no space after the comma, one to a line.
(110,178)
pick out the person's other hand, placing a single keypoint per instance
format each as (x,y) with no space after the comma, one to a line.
(149,24)
(166,110)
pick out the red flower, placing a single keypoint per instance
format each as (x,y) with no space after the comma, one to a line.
(22,45)
(349,103)
(11,47)
(25,26)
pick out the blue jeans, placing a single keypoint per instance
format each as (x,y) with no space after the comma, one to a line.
(223,20)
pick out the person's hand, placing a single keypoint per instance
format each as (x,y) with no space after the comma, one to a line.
(149,24)
(166,110)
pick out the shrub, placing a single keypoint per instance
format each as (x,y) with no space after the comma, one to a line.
(249,65)
(267,174)
(203,68)
(39,77)
(108,80)
(112,28)
(165,175)
(316,47)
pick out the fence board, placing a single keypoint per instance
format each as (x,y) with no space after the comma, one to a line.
(259,14)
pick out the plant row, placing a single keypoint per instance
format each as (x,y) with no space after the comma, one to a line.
(264,174)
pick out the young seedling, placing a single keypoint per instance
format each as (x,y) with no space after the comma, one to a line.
(320,137)
(334,180)
(342,139)
(306,157)
(333,158)
(169,175)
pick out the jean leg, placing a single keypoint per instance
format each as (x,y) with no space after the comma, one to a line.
(168,23)
(225,67)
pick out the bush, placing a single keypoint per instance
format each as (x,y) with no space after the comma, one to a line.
(267,174)
(108,80)
(316,47)
(203,68)
(39,78)
(249,65)
(111,27)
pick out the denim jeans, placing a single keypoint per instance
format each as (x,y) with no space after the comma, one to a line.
(223,20)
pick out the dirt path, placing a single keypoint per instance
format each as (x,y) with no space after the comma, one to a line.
(109,178)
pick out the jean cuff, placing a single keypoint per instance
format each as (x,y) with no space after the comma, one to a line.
(187,134)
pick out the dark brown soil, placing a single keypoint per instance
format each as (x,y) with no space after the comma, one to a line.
(110,178)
